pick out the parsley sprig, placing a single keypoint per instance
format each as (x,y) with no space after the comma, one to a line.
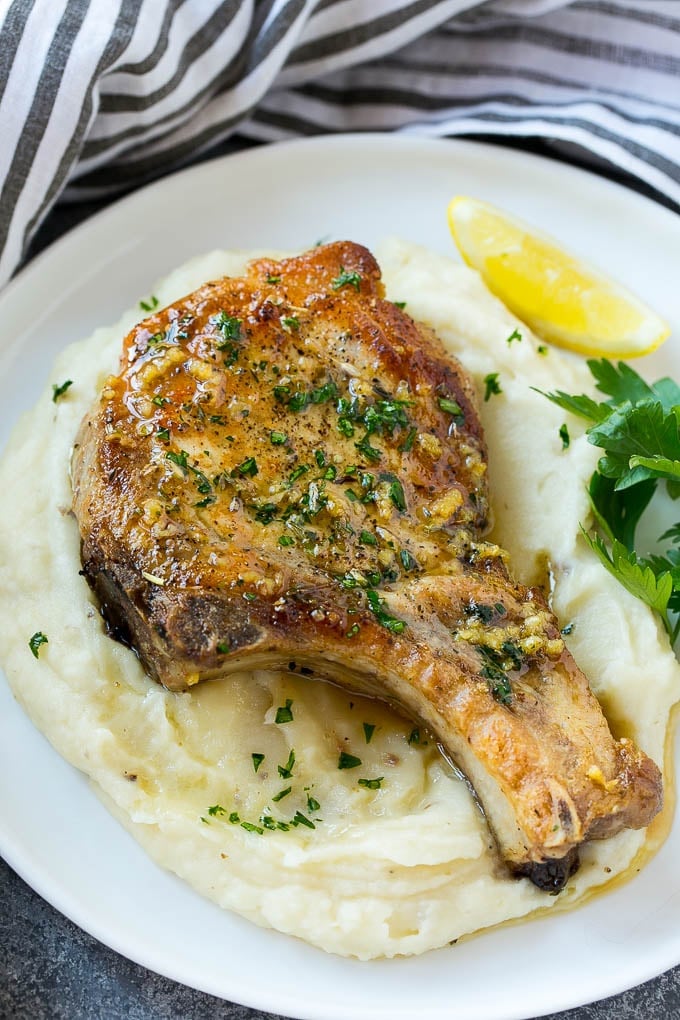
(638,430)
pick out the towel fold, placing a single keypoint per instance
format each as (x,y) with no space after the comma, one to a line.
(97,96)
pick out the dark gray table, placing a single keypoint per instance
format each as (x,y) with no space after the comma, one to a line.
(51,969)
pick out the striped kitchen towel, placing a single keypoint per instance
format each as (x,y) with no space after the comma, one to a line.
(98,96)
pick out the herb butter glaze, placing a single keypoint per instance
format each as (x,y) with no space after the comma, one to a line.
(288,466)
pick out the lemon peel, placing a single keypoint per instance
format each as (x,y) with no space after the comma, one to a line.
(559,296)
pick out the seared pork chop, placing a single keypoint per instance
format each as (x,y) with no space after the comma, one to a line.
(289,469)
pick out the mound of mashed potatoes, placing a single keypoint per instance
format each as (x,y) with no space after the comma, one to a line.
(235,786)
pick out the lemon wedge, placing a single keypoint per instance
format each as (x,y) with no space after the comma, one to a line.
(560,297)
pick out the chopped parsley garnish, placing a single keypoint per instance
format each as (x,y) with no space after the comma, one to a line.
(157,338)
(246,469)
(345,427)
(479,611)
(396,491)
(290,323)
(300,819)
(515,335)
(321,394)
(353,630)
(413,737)
(348,761)
(283,712)
(230,329)
(346,279)
(150,305)
(216,810)
(223,647)
(495,667)
(385,415)
(369,730)
(370,452)
(377,607)
(298,472)
(399,304)
(450,406)
(229,326)
(180,459)
(159,401)
(281,794)
(312,803)
(286,771)
(320,458)
(270,278)
(163,435)
(202,482)
(372,784)
(492,387)
(58,390)
(36,641)
(542,349)
(251,827)
(407,561)
(298,400)
(366,538)
(407,444)
(234,818)
(286,540)
(278,438)
(257,760)
(564,436)
(265,512)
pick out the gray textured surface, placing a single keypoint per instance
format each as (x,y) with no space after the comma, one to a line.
(51,969)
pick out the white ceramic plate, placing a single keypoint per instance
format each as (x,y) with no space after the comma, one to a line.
(54,831)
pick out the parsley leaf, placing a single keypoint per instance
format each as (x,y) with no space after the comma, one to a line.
(377,607)
(492,387)
(300,819)
(36,641)
(581,406)
(622,383)
(638,429)
(58,391)
(564,436)
(346,279)
(628,433)
(283,712)
(286,771)
(634,573)
(618,512)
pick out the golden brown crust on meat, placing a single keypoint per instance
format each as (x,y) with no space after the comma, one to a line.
(288,467)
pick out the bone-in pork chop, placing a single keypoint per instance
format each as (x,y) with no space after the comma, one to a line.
(289,468)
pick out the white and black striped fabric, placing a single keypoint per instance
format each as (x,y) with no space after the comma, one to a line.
(97,96)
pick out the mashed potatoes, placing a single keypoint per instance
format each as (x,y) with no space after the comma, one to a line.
(391,856)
